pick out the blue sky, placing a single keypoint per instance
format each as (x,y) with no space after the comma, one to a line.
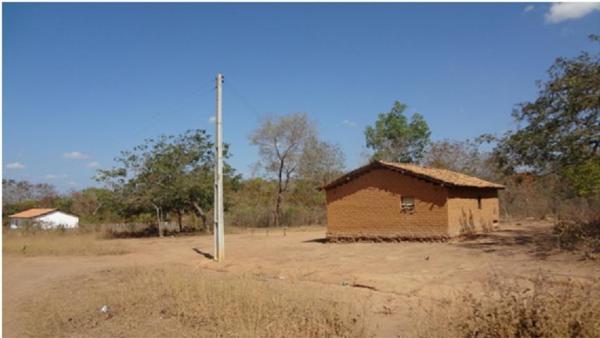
(83,81)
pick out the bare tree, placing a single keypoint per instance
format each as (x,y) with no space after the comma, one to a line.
(17,191)
(462,156)
(321,161)
(281,141)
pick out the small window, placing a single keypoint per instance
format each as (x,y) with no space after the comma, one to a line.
(479,202)
(408,203)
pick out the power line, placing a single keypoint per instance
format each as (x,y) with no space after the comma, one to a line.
(154,118)
(152,121)
(243,99)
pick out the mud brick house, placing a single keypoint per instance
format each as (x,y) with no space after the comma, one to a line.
(393,201)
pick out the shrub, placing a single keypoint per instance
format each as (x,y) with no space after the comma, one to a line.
(250,216)
(537,307)
(579,225)
(36,242)
(527,195)
(580,236)
(127,230)
(262,216)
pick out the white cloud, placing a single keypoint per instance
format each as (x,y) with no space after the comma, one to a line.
(72,183)
(54,177)
(15,166)
(570,10)
(349,123)
(93,164)
(528,8)
(212,119)
(75,155)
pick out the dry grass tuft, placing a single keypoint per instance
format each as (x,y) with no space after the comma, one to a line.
(57,243)
(183,302)
(537,307)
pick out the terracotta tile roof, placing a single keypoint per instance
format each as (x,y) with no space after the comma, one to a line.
(31,213)
(439,176)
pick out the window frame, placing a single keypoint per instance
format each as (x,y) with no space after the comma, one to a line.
(407,207)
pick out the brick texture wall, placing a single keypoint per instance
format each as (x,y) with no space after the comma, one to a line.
(464,214)
(370,205)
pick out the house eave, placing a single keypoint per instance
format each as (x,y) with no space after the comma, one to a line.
(377,164)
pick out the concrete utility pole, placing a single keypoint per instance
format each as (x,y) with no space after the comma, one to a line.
(219,230)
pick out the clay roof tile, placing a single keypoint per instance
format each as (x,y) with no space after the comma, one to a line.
(31,213)
(440,176)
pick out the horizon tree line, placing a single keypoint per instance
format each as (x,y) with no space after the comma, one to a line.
(171,176)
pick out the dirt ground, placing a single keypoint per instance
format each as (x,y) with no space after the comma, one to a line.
(394,279)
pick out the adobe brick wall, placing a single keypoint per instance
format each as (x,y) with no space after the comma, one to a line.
(464,214)
(370,206)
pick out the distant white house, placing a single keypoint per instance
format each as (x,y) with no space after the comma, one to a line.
(45,218)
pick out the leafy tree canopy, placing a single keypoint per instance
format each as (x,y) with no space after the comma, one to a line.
(394,138)
(168,174)
(560,130)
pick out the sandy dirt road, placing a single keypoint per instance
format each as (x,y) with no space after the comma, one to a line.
(399,275)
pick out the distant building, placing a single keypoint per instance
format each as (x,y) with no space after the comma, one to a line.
(44,218)
(396,201)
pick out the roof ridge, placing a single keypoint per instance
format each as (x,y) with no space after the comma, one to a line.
(33,212)
(436,175)
(447,180)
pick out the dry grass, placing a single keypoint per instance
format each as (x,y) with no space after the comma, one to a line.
(536,307)
(137,230)
(579,226)
(128,230)
(57,243)
(183,302)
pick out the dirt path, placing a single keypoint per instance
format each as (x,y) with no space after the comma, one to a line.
(400,274)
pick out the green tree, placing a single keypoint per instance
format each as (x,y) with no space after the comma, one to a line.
(560,131)
(585,177)
(95,204)
(394,138)
(168,174)
(252,203)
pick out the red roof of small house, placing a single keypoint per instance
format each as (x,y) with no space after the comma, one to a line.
(434,175)
(32,213)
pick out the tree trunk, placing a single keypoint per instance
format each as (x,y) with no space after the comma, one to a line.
(279,194)
(157,208)
(96,209)
(179,221)
(202,215)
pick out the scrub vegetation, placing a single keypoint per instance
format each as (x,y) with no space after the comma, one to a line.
(36,242)
(535,307)
(183,302)
(550,166)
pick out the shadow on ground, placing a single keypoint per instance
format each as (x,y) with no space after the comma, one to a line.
(321,240)
(537,240)
(205,254)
